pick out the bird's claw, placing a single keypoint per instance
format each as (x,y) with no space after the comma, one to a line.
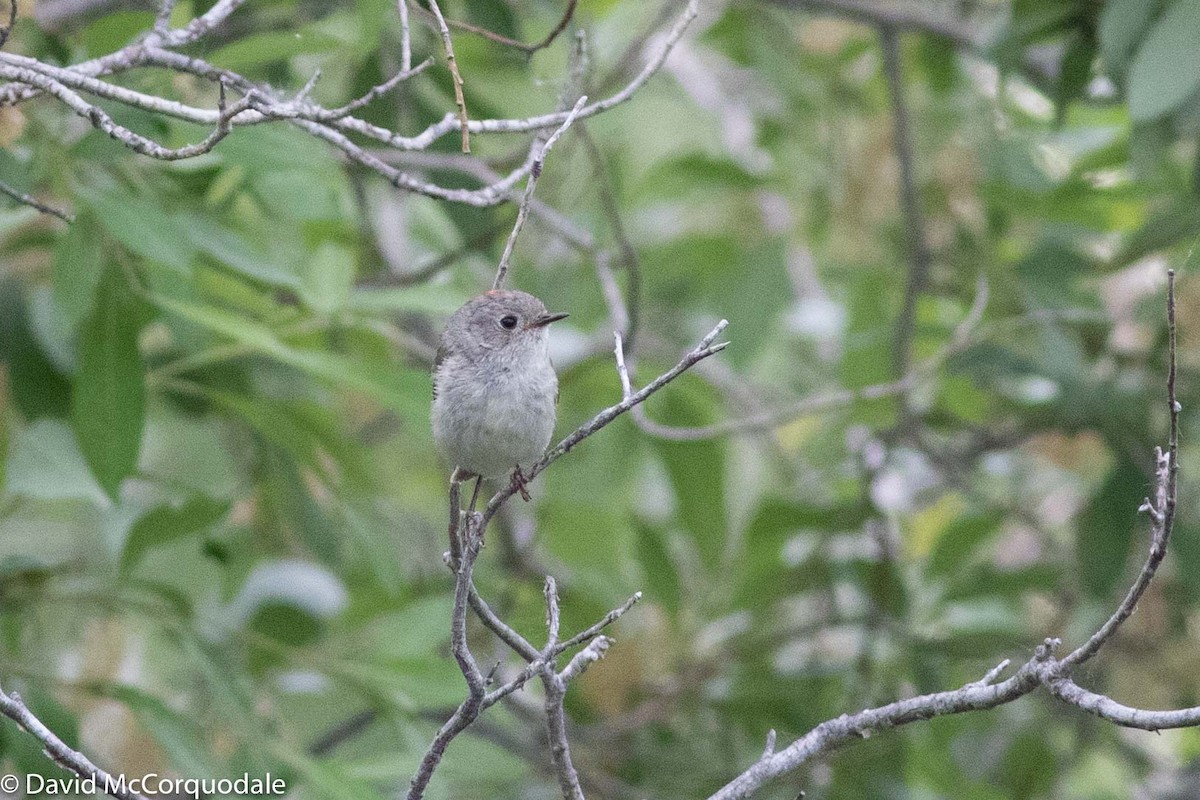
(518,483)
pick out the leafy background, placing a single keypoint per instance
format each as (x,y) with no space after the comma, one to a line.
(222,516)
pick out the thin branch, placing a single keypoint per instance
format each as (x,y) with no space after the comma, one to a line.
(198,27)
(373,94)
(470,542)
(1043,669)
(1126,716)
(550,590)
(459,99)
(837,398)
(27,200)
(556,733)
(527,49)
(853,727)
(102,121)
(535,172)
(590,633)
(585,658)
(916,17)
(775,417)
(1161,509)
(15,709)
(703,350)
(518,643)
(624,312)
(405,37)
(154,51)
(919,257)
(162,24)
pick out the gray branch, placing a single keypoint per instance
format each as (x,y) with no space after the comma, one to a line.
(1042,670)
(57,750)
(28,78)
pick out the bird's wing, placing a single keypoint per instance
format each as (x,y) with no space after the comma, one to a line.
(442,352)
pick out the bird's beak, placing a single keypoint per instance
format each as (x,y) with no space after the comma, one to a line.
(542,320)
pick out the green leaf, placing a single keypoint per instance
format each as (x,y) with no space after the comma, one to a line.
(1162,230)
(141,224)
(1122,24)
(288,600)
(957,545)
(1075,71)
(108,407)
(37,387)
(696,470)
(165,523)
(1166,69)
(327,778)
(1106,528)
(236,252)
(328,278)
(393,387)
(662,578)
(78,265)
(46,463)
(181,739)
(264,48)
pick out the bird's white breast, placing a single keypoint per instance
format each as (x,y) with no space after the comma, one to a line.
(497,414)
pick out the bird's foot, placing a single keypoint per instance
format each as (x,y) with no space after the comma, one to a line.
(519,482)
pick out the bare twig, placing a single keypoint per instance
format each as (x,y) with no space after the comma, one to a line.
(459,99)
(527,49)
(919,257)
(26,200)
(585,658)
(1042,670)
(405,37)
(15,709)
(836,398)
(102,121)
(372,94)
(162,24)
(552,616)
(609,618)
(703,350)
(535,172)
(556,733)
(470,540)
(1070,692)
(334,126)
(1161,510)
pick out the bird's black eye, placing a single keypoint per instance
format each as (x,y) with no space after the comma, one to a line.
(508,322)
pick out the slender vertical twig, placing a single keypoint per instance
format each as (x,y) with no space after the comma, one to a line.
(460,99)
(919,258)
(405,37)
(535,172)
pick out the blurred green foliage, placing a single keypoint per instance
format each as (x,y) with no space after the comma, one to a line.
(222,518)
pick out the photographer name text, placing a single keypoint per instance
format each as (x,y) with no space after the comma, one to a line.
(149,785)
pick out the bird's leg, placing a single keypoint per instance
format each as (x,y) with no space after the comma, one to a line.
(475,494)
(519,481)
(452,557)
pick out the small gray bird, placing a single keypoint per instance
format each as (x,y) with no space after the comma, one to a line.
(495,393)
